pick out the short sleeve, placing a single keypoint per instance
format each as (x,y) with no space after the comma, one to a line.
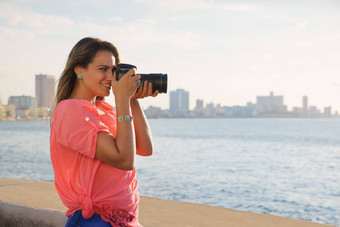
(77,124)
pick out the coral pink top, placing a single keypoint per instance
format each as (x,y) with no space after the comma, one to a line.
(82,181)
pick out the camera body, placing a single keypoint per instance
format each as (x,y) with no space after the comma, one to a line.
(159,80)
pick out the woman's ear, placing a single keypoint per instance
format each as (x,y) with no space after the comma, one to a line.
(78,70)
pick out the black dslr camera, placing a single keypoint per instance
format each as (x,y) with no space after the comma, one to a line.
(159,81)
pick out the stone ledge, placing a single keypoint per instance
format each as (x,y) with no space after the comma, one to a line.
(38,204)
(12,215)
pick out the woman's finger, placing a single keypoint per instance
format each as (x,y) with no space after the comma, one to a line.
(139,91)
(149,89)
(155,93)
(145,89)
(129,74)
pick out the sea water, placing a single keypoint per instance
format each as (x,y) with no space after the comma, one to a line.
(284,167)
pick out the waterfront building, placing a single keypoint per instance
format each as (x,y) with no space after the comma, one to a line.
(179,103)
(7,112)
(199,109)
(240,111)
(314,111)
(10,111)
(43,112)
(210,110)
(270,105)
(220,110)
(251,109)
(199,104)
(327,112)
(45,90)
(153,112)
(305,111)
(25,106)
(298,112)
(21,102)
(2,113)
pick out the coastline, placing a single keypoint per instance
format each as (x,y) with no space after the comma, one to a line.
(39,199)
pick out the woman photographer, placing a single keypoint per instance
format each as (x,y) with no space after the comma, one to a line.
(92,146)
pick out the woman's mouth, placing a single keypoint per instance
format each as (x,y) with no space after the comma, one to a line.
(107,85)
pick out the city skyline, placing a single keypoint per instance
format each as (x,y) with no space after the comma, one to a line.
(31,107)
(265,106)
(28,108)
(276,101)
(179,94)
(221,51)
(190,104)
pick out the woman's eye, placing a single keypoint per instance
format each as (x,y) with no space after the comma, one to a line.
(103,69)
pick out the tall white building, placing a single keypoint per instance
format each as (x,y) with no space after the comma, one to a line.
(270,105)
(45,90)
(179,103)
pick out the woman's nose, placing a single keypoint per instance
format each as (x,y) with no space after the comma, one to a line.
(110,75)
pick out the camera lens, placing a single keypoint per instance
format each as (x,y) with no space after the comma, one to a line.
(159,81)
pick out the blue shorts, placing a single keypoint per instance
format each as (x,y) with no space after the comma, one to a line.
(77,220)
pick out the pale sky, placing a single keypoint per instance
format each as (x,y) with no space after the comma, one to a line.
(226,52)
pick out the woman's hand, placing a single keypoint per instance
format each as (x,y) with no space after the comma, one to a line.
(144,90)
(127,85)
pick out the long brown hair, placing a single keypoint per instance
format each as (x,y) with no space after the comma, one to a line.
(81,54)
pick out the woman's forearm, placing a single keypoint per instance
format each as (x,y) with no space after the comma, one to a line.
(142,130)
(125,136)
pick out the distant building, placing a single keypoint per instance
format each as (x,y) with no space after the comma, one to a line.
(45,90)
(199,104)
(327,112)
(2,113)
(314,111)
(153,112)
(210,110)
(21,102)
(305,111)
(298,112)
(199,108)
(7,112)
(25,106)
(179,103)
(220,110)
(270,105)
(240,111)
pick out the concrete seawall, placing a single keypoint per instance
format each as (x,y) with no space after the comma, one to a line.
(36,203)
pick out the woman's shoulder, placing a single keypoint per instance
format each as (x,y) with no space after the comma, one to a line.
(74,102)
(74,105)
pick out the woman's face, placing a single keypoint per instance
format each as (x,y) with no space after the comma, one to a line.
(98,75)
